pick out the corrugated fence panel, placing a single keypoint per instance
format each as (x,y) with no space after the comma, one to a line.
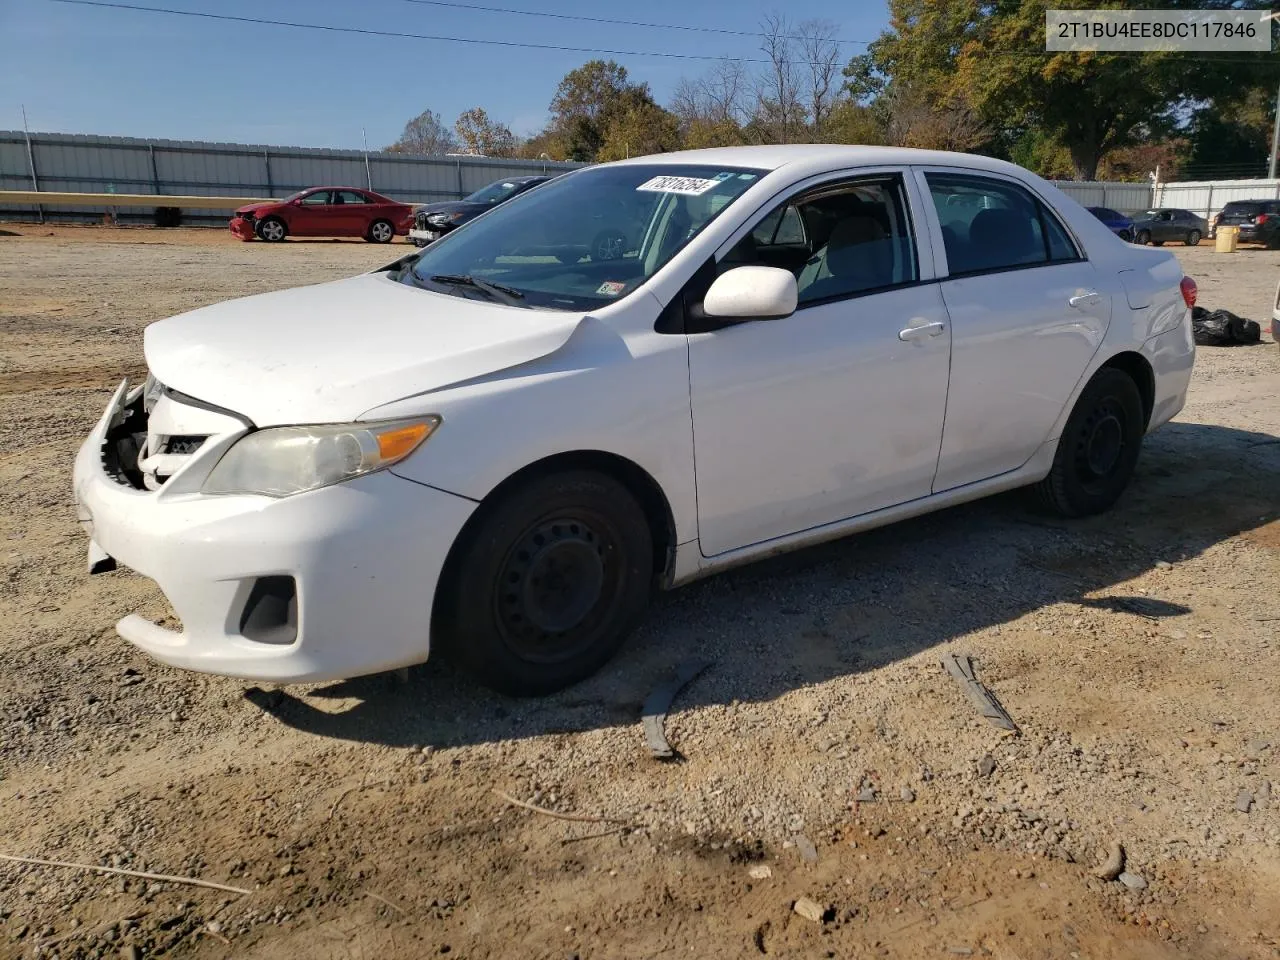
(1125,197)
(94,164)
(1207,198)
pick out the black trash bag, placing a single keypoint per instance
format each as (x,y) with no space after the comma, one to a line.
(1222,328)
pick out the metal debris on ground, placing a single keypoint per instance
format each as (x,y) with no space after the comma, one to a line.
(659,702)
(961,667)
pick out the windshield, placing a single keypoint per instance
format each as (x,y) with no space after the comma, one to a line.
(493,192)
(296,196)
(583,240)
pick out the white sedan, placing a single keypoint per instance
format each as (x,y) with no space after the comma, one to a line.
(500,446)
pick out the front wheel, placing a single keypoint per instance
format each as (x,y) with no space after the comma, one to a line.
(1098,449)
(546,583)
(1126,236)
(380,231)
(1193,238)
(1144,237)
(272,229)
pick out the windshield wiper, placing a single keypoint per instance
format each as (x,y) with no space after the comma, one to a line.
(500,292)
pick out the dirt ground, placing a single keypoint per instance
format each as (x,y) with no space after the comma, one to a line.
(825,754)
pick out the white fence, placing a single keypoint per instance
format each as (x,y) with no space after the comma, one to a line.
(1207,197)
(1125,197)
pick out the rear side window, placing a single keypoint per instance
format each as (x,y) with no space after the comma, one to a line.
(990,225)
(1243,208)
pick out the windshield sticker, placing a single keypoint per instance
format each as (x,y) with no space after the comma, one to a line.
(689,186)
(746,176)
(721,177)
(611,288)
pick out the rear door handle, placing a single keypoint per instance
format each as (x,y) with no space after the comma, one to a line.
(922,331)
(1083,299)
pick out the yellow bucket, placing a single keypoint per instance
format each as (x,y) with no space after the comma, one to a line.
(1225,238)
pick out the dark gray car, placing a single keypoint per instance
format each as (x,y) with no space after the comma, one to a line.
(1169,223)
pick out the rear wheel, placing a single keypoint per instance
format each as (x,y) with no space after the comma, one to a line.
(1157,243)
(1193,238)
(1126,236)
(272,229)
(1144,237)
(1098,449)
(547,583)
(380,231)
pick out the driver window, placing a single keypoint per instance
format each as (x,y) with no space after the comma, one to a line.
(839,240)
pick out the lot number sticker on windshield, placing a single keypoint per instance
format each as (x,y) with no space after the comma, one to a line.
(690,186)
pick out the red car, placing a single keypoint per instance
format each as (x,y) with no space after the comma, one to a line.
(324,212)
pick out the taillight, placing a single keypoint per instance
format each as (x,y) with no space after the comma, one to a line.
(1261,219)
(1189,291)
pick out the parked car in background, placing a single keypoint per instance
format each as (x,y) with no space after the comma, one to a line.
(433,220)
(500,457)
(1168,223)
(1257,220)
(1275,318)
(1116,222)
(324,212)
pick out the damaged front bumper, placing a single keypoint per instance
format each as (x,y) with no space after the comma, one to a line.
(332,583)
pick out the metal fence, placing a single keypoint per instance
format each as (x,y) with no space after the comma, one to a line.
(1125,197)
(1207,197)
(95,164)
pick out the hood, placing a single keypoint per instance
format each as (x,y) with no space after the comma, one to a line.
(452,206)
(258,207)
(329,353)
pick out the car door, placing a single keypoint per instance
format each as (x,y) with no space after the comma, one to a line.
(1167,227)
(836,410)
(1026,315)
(354,212)
(314,214)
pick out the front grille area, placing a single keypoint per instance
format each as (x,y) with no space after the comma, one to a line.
(182,446)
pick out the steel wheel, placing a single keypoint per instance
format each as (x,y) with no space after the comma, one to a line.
(1193,238)
(545,582)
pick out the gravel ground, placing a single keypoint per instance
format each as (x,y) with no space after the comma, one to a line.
(824,754)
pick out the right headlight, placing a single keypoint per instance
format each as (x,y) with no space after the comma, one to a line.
(282,461)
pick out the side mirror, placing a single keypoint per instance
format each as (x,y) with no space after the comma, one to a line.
(752,293)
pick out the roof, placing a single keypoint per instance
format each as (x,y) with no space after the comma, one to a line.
(822,156)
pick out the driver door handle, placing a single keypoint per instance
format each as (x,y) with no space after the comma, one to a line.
(922,331)
(1083,299)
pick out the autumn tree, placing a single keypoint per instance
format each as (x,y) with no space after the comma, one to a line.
(425,134)
(484,136)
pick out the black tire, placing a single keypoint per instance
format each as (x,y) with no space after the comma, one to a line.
(271,229)
(1157,243)
(381,231)
(1126,236)
(1098,449)
(1144,237)
(1193,238)
(608,245)
(1273,242)
(545,583)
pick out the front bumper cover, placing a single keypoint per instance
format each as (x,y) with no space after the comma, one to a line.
(365,556)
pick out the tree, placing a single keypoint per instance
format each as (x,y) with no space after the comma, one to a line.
(425,134)
(779,114)
(635,126)
(851,122)
(587,92)
(820,66)
(479,134)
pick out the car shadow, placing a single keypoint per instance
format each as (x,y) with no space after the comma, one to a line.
(849,606)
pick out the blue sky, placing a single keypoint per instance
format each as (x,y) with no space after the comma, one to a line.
(82,69)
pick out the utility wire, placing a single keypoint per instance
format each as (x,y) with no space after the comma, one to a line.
(620,23)
(369,32)
(365,31)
